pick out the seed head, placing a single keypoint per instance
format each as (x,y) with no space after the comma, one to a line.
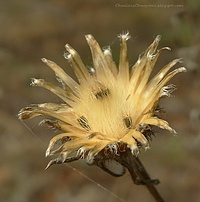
(110,109)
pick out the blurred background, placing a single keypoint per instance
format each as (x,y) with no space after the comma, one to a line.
(30,30)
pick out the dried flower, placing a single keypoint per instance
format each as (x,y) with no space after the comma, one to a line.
(109,109)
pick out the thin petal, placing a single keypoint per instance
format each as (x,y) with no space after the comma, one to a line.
(63,94)
(123,59)
(154,94)
(73,85)
(99,61)
(160,75)
(111,64)
(54,140)
(132,144)
(144,65)
(141,138)
(95,149)
(76,62)
(150,63)
(60,125)
(169,76)
(59,112)
(159,123)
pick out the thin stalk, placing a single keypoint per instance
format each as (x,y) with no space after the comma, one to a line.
(139,174)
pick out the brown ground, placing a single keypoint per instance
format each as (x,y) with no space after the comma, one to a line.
(30,30)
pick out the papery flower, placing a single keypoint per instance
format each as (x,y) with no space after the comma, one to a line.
(110,109)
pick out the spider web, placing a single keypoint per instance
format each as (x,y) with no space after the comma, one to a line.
(41,143)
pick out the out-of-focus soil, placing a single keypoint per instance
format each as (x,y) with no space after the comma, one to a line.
(30,30)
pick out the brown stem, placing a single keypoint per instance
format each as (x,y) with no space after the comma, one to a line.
(138,173)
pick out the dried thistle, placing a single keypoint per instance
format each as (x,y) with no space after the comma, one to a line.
(110,110)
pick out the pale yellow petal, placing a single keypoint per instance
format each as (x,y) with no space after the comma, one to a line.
(63,94)
(159,123)
(111,64)
(77,64)
(123,59)
(73,85)
(99,61)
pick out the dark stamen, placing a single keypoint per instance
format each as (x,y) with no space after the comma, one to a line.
(128,122)
(101,94)
(83,122)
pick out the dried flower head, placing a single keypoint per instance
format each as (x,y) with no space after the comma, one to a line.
(109,109)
